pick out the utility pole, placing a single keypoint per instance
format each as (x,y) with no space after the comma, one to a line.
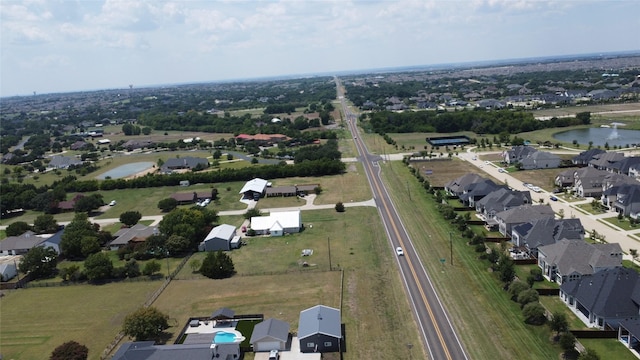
(451,245)
(329,247)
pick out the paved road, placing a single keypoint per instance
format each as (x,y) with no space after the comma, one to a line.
(437,331)
(627,239)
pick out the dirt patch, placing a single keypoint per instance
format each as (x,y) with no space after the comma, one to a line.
(440,172)
(352,168)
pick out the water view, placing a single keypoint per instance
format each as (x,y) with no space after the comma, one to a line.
(614,136)
(126,170)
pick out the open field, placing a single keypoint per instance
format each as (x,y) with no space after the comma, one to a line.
(611,110)
(444,171)
(35,321)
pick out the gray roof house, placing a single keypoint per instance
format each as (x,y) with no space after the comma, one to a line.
(53,241)
(219,238)
(624,199)
(19,245)
(606,297)
(518,153)
(271,334)
(184,163)
(136,233)
(622,166)
(146,350)
(565,178)
(606,160)
(569,260)
(540,160)
(63,162)
(458,186)
(536,233)
(477,191)
(223,314)
(510,218)
(501,200)
(584,157)
(320,329)
(588,182)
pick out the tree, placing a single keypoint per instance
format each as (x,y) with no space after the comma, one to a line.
(339,207)
(189,223)
(98,266)
(567,342)
(88,203)
(252,213)
(39,261)
(70,350)
(506,268)
(145,324)
(559,323)
(71,242)
(70,273)
(217,265)
(516,287)
(195,265)
(45,224)
(130,218)
(17,228)
(131,268)
(534,314)
(589,354)
(89,245)
(177,244)
(168,204)
(527,296)
(151,268)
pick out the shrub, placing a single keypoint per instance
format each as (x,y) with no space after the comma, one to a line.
(339,207)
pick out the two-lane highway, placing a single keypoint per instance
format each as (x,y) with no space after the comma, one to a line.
(438,334)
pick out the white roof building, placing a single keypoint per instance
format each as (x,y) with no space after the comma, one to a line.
(256,185)
(277,223)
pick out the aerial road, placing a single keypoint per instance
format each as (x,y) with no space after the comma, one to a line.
(437,332)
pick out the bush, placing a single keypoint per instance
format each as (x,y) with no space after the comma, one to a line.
(527,296)
(515,288)
(70,350)
(339,207)
(534,314)
(217,265)
(145,324)
(151,268)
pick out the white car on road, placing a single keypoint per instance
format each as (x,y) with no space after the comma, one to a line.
(399,251)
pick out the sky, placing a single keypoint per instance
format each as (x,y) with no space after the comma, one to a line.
(49,46)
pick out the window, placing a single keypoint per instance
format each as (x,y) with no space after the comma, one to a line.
(310,344)
(327,343)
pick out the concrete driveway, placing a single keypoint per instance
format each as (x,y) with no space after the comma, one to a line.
(292,354)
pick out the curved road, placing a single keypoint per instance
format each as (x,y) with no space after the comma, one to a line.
(437,331)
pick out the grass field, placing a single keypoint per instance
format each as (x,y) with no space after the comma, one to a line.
(35,321)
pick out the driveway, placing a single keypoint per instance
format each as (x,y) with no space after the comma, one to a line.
(292,354)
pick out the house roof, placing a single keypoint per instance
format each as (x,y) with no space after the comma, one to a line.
(586,156)
(184,162)
(283,219)
(608,293)
(224,231)
(59,161)
(503,198)
(605,160)
(578,256)
(480,189)
(525,213)
(182,197)
(223,314)
(270,329)
(256,185)
(458,185)
(632,325)
(26,241)
(146,350)
(547,230)
(137,231)
(319,319)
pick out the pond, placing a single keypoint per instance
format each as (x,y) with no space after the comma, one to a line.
(126,170)
(612,136)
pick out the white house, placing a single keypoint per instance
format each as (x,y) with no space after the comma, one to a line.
(254,189)
(277,223)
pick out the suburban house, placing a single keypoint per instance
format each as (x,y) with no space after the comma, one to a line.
(253,189)
(138,233)
(510,218)
(263,139)
(292,190)
(585,157)
(320,329)
(629,333)
(221,237)
(624,199)
(587,182)
(191,197)
(63,162)
(9,267)
(568,260)
(137,144)
(605,161)
(623,166)
(53,241)
(271,334)
(188,163)
(479,190)
(501,200)
(68,205)
(634,171)
(565,178)
(518,153)
(19,245)
(541,160)
(604,298)
(540,232)
(458,186)
(277,223)
(147,350)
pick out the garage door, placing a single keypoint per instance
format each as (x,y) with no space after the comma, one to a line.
(268,346)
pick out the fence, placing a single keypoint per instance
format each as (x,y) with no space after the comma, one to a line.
(548,292)
(595,334)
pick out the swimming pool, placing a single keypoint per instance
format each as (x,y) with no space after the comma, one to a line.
(228,337)
(126,170)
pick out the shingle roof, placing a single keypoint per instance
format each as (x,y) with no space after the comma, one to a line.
(270,329)
(319,319)
(525,213)
(223,313)
(547,230)
(578,256)
(137,231)
(607,293)
(146,350)
(26,241)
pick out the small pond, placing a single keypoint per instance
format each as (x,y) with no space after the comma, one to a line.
(126,170)
(612,136)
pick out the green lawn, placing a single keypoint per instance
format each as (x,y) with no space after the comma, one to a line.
(624,223)
(608,348)
(35,321)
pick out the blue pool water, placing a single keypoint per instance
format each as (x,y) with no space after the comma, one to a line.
(126,170)
(223,337)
